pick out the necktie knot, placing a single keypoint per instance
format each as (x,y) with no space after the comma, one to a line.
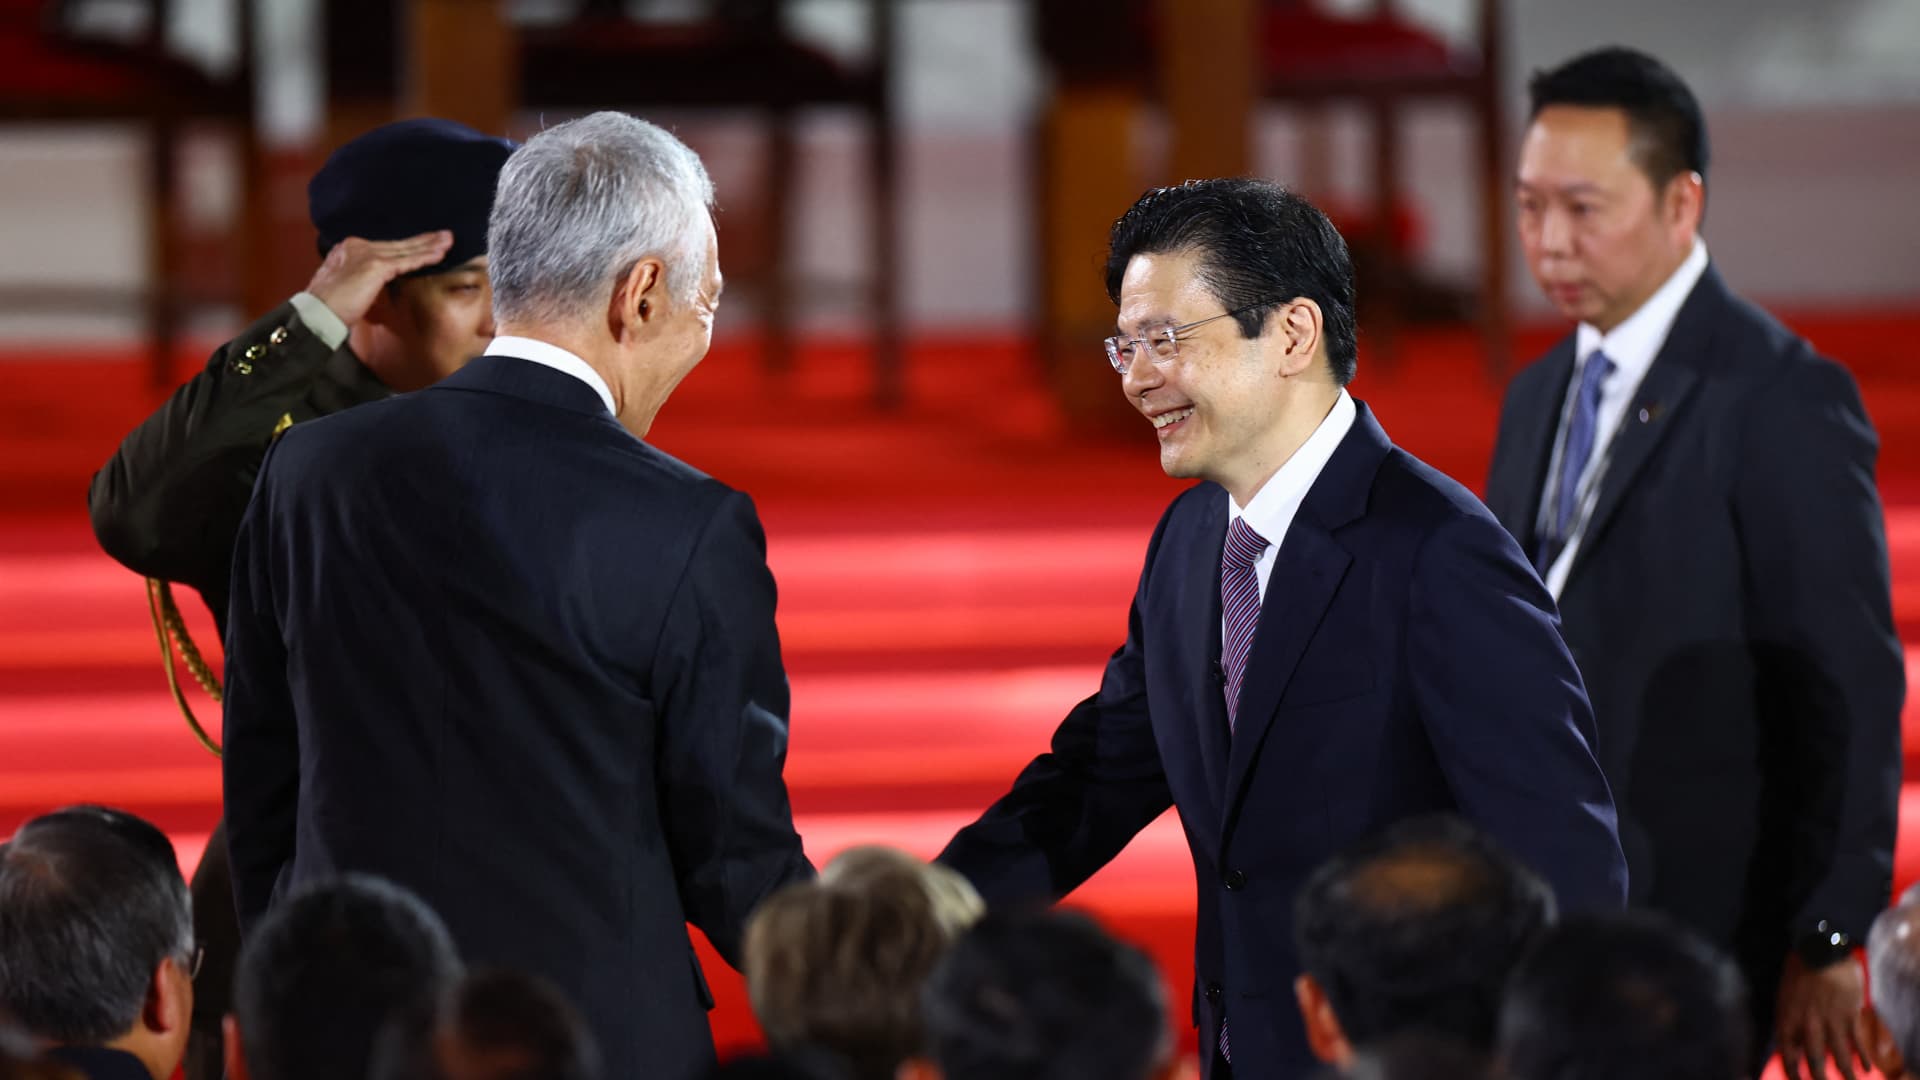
(1244,546)
(1593,373)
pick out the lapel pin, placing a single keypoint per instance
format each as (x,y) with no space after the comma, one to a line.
(1649,412)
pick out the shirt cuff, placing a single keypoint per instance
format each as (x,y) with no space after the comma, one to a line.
(320,319)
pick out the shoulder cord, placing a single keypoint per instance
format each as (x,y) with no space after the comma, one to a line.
(171,630)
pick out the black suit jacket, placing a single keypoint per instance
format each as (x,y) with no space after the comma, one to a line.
(487,644)
(1406,661)
(1730,608)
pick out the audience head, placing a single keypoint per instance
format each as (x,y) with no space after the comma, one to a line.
(1418,1055)
(836,965)
(1043,995)
(1893,964)
(955,903)
(488,1026)
(324,971)
(1413,930)
(96,935)
(1612,182)
(1624,995)
(602,241)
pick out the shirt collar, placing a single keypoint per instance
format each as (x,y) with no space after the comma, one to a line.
(555,357)
(1633,344)
(1272,508)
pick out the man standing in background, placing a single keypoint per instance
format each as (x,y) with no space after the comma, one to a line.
(1696,486)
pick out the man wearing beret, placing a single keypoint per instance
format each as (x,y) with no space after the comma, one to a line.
(399,301)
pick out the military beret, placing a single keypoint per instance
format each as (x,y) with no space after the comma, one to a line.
(406,178)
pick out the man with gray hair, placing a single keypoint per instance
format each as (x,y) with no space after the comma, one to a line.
(1892,1022)
(97,955)
(487,643)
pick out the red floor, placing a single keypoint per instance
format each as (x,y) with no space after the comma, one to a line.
(952,578)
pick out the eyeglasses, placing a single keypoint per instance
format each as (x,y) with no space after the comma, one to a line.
(1162,344)
(192,967)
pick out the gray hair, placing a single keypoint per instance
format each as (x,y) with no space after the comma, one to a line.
(580,203)
(91,901)
(1893,967)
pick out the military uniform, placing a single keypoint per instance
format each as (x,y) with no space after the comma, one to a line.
(167,505)
(169,501)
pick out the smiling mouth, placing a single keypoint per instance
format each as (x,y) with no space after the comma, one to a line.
(1168,419)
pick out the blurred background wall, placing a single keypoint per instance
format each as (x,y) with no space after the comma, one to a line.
(1814,111)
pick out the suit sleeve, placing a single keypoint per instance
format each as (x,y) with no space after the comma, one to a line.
(1832,670)
(1507,713)
(1076,806)
(260,766)
(167,503)
(722,695)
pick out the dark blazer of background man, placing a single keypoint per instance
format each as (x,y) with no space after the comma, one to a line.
(1405,660)
(1722,568)
(490,645)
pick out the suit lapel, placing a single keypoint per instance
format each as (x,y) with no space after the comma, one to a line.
(1200,606)
(1654,408)
(1307,572)
(1537,420)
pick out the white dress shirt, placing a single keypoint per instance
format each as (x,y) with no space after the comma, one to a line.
(555,357)
(1632,346)
(1270,512)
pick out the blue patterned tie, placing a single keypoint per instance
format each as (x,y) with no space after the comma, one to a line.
(1582,429)
(1239,605)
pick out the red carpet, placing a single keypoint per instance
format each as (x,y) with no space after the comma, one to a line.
(952,578)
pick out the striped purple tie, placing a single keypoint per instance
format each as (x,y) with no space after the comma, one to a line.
(1240,604)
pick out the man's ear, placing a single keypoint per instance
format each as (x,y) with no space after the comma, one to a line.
(636,298)
(1686,203)
(1882,1048)
(1301,329)
(169,1003)
(1324,1036)
(231,1053)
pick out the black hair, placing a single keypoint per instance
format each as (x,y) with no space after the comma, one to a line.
(1669,134)
(1627,994)
(1044,995)
(1416,928)
(327,968)
(520,1026)
(1260,246)
(91,901)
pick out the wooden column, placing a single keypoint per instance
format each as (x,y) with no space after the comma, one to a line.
(1207,78)
(460,63)
(1086,180)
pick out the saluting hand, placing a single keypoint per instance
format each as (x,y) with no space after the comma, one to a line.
(354,272)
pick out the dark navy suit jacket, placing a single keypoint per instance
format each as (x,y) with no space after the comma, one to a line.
(1407,660)
(1730,606)
(485,643)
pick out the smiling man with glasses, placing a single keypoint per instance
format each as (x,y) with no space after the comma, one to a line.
(97,955)
(1328,635)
